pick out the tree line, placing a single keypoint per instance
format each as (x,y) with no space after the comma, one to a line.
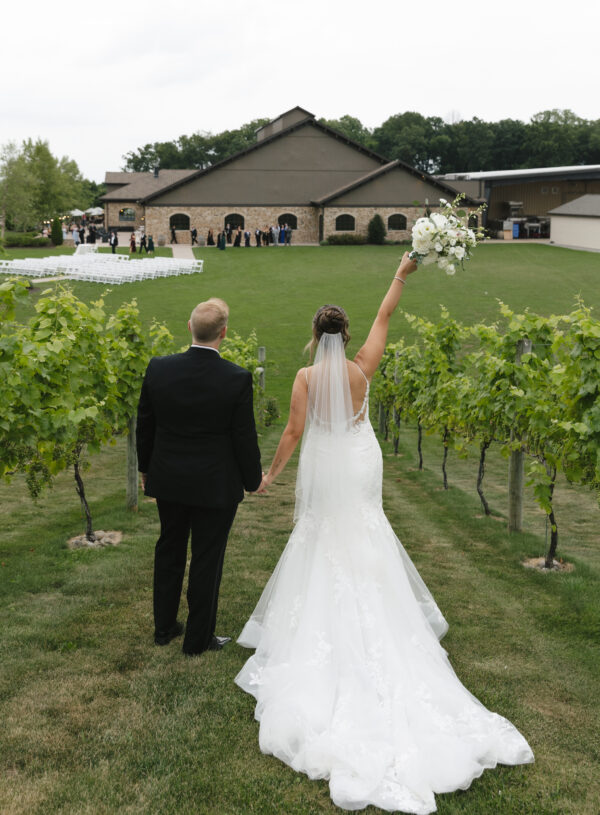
(36,186)
(551,138)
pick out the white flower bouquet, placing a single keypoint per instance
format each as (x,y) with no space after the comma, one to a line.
(443,238)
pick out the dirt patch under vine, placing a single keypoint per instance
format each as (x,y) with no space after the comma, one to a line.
(110,538)
(539,564)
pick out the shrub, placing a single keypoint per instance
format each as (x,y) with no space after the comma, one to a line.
(56,232)
(25,239)
(349,239)
(271,411)
(376,230)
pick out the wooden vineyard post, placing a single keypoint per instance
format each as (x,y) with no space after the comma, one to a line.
(516,466)
(262,355)
(132,467)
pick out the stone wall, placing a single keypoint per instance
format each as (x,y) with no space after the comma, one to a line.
(362,216)
(111,215)
(205,218)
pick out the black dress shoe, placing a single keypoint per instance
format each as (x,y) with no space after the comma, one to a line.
(218,642)
(214,645)
(165,637)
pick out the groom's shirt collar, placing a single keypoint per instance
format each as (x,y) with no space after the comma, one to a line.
(209,347)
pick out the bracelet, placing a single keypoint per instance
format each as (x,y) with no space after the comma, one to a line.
(400,279)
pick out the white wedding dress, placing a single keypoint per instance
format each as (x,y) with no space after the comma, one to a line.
(349,677)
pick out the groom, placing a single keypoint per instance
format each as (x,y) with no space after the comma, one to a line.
(197,452)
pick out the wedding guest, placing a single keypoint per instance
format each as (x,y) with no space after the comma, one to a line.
(210,238)
(221,240)
(282,234)
(143,244)
(257,234)
(194,234)
(247,238)
(228,231)
(75,236)
(288,235)
(238,237)
(150,244)
(82,234)
(113,241)
(275,233)
(173,235)
(132,243)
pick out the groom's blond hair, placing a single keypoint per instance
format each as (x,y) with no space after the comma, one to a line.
(208,319)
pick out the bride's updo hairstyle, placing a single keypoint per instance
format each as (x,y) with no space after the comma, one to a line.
(329,320)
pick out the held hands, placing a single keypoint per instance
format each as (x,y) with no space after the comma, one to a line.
(264,485)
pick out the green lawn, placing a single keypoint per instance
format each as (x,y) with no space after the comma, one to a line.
(96,719)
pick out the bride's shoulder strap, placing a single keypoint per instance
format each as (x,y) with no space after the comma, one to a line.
(362,372)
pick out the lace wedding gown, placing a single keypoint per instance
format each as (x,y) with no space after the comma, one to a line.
(349,677)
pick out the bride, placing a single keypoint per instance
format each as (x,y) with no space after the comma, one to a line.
(351,683)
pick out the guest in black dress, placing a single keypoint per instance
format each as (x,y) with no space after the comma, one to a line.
(210,238)
(238,237)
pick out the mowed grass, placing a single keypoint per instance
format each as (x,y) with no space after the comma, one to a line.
(96,719)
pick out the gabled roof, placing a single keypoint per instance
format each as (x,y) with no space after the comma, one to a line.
(587,206)
(392,165)
(121,177)
(307,115)
(309,120)
(135,186)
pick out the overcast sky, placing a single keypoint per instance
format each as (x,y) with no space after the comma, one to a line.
(99,79)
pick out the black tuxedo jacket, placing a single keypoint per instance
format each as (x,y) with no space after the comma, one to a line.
(196,436)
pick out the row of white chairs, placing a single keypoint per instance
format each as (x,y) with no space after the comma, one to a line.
(100,268)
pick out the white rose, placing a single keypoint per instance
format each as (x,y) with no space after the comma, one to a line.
(432,257)
(439,220)
(443,263)
(450,269)
(459,252)
(438,247)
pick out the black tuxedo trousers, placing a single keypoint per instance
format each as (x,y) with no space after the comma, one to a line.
(209,527)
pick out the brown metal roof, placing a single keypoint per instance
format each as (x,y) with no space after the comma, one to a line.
(136,186)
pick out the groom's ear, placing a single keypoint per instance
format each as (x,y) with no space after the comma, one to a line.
(190,326)
(223,332)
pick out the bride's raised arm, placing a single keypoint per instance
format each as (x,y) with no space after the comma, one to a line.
(369,356)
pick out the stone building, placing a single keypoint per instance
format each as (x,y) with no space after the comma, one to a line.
(299,172)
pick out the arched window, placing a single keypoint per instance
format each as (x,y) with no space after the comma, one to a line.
(179,221)
(234,220)
(397,221)
(344,223)
(473,221)
(127,214)
(289,219)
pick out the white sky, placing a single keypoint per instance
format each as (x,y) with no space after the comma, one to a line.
(100,79)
